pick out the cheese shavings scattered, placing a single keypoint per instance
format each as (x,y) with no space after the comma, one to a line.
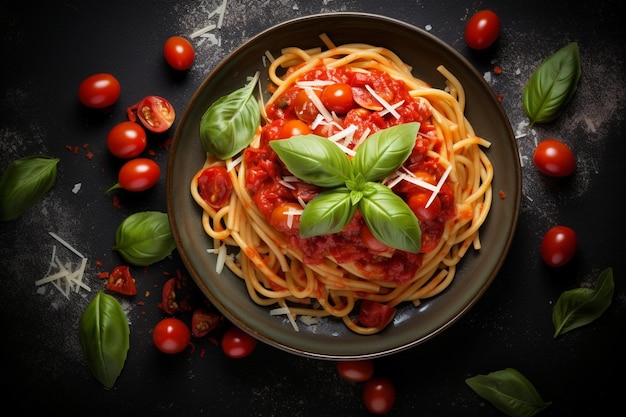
(318,104)
(383,102)
(285,310)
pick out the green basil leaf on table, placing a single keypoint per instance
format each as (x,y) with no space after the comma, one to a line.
(24,182)
(103,333)
(552,85)
(329,212)
(230,123)
(144,238)
(580,306)
(509,391)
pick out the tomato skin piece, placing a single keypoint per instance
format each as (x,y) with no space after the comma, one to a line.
(171,335)
(558,245)
(338,98)
(215,186)
(553,157)
(121,281)
(139,174)
(99,91)
(179,53)
(482,29)
(155,113)
(379,395)
(356,371)
(237,344)
(127,140)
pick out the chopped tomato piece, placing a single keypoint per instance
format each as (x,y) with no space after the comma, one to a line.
(203,321)
(375,314)
(121,281)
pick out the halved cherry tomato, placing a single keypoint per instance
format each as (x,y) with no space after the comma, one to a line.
(284,220)
(154,112)
(482,29)
(371,242)
(558,245)
(179,53)
(417,203)
(304,107)
(237,344)
(171,335)
(138,174)
(338,98)
(127,140)
(121,281)
(356,371)
(293,128)
(375,314)
(379,395)
(99,91)
(204,321)
(555,158)
(215,186)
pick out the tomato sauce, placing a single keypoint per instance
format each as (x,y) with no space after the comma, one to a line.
(265,170)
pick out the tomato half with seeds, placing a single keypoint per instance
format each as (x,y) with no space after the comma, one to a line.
(558,245)
(237,344)
(356,371)
(482,29)
(179,53)
(127,140)
(171,335)
(99,91)
(204,321)
(553,157)
(138,174)
(121,281)
(155,113)
(215,186)
(379,395)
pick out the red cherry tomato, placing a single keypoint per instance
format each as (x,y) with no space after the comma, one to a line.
(338,98)
(417,203)
(304,107)
(154,112)
(99,91)
(283,219)
(215,186)
(138,174)
(237,344)
(555,158)
(558,245)
(127,140)
(179,53)
(482,29)
(375,314)
(171,335)
(356,371)
(379,395)
(293,128)
(371,242)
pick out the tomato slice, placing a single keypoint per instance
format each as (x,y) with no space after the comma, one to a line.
(215,186)
(154,112)
(375,314)
(204,321)
(121,281)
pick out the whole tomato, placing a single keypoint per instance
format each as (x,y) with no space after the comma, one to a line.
(558,245)
(171,335)
(127,140)
(482,29)
(179,53)
(553,157)
(99,91)
(137,174)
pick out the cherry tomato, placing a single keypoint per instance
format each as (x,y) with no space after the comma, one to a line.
(482,29)
(417,203)
(356,371)
(127,140)
(338,98)
(215,186)
(99,91)
(371,242)
(379,395)
(304,107)
(171,335)
(293,128)
(138,174)
(555,158)
(283,221)
(154,112)
(179,53)
(558,245)
(375,314)
(237,344)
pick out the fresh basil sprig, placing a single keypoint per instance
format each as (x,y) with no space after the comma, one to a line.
(144,238)
(509,391)
(103,333)
(581,306)
(350,184)
(23,183)
(552,85)
(229,124)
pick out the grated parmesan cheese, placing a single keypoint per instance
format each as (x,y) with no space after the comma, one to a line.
(65,279)
(383,102)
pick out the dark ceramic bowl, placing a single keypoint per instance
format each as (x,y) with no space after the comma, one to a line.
(331,339)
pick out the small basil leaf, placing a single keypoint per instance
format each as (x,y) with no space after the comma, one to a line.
(329,212)
(581,306)
(314,159)
(23,183)
(103,333)
(509,391)
(552,85)
(144,238)
(389,218)
(230,123)
(385,151)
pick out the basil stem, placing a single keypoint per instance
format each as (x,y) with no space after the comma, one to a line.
(144,238)
(230,123)
(103,333)
(509,391)
(581,306)
(552,85)
(23,183)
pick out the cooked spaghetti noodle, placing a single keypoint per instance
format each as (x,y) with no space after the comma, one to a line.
(287,272)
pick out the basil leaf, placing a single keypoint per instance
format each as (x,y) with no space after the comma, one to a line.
(389,218)
(552,85)
(230,123)
(144,238)
(509,391)
(314,159)
(581,306)
(103,333)
(385,151)
(329,212)
(23,183)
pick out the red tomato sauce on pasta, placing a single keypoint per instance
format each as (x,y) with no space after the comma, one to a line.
(265,171)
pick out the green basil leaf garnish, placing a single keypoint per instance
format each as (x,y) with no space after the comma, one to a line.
(329,212)
(23,183)
(144,238)
(229,124)
(581,306)
(552,85)
(509,391)
(103,333)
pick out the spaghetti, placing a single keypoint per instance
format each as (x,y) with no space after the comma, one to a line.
(446,181)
